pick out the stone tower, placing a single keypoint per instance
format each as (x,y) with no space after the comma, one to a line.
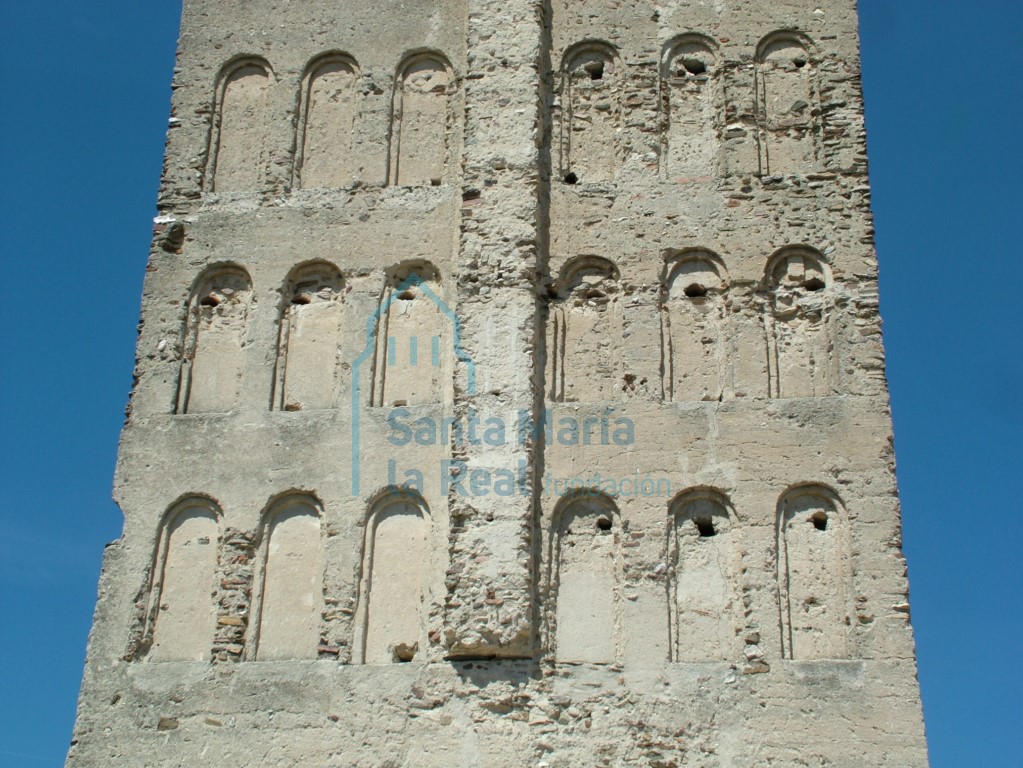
(510,392)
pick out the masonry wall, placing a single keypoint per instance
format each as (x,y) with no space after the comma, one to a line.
(510,391)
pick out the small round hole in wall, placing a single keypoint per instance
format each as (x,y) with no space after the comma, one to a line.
(407,295)
(595,70)
(695,291)
(820,521)
(814,284)
(301,298)
(706,528)
(799,62)
(209,301)
(604,523)
(571,178)
(694,66)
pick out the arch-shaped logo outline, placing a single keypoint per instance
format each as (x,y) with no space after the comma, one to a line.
(372,325)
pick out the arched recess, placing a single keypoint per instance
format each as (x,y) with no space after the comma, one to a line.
(692,107)
(694,329)
(238,144)
(309,337)
(584,580)
(396,572)
(414,338)
(590,98)
(801,354)
(182,605)
(704,602)
(214,337)
(289,583)
(814,574)
(423,121)
(788,104)
(584,341)
(325,150)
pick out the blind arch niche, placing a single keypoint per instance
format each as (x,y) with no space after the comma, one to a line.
(590,80)
(238,143)
(289,586)
(789,110)
(692,108)
(802,358)
(395,589)
(814,574)
(703,595)
(328,113)
(214,340)
(423,121)
(584,580)
(181,614)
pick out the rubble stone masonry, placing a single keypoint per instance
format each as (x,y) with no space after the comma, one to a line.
(509,392)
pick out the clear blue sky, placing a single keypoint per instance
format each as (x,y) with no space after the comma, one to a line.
(85,93)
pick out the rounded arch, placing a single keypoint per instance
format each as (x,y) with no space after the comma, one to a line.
(236,148)
(284,501)
(585,269)
(379,504)
(424,120)
(395,579)
(192,501)
(589,115)
(309,334)
(803,343)
(242,60)
(704,563)
(418,56)
(701,271)
(287,593)
(313,276)
(696,55)
(705,507)
(214,334)
(411,279)
(789,112)
(584,496)
(584,332)
(218,282)
(814,572)
(389,495)
(692,108)
(415,337)
(701,493)
(425,270)
(328,108)
(694,322)
(178,623)
(327,59)
(781,42)
(584,579)
(589,54)
(185,503)
(800,266)
(820,491)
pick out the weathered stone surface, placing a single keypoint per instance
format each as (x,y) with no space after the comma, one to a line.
(510,392)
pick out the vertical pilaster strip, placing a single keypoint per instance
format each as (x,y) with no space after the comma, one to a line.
(490,609)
